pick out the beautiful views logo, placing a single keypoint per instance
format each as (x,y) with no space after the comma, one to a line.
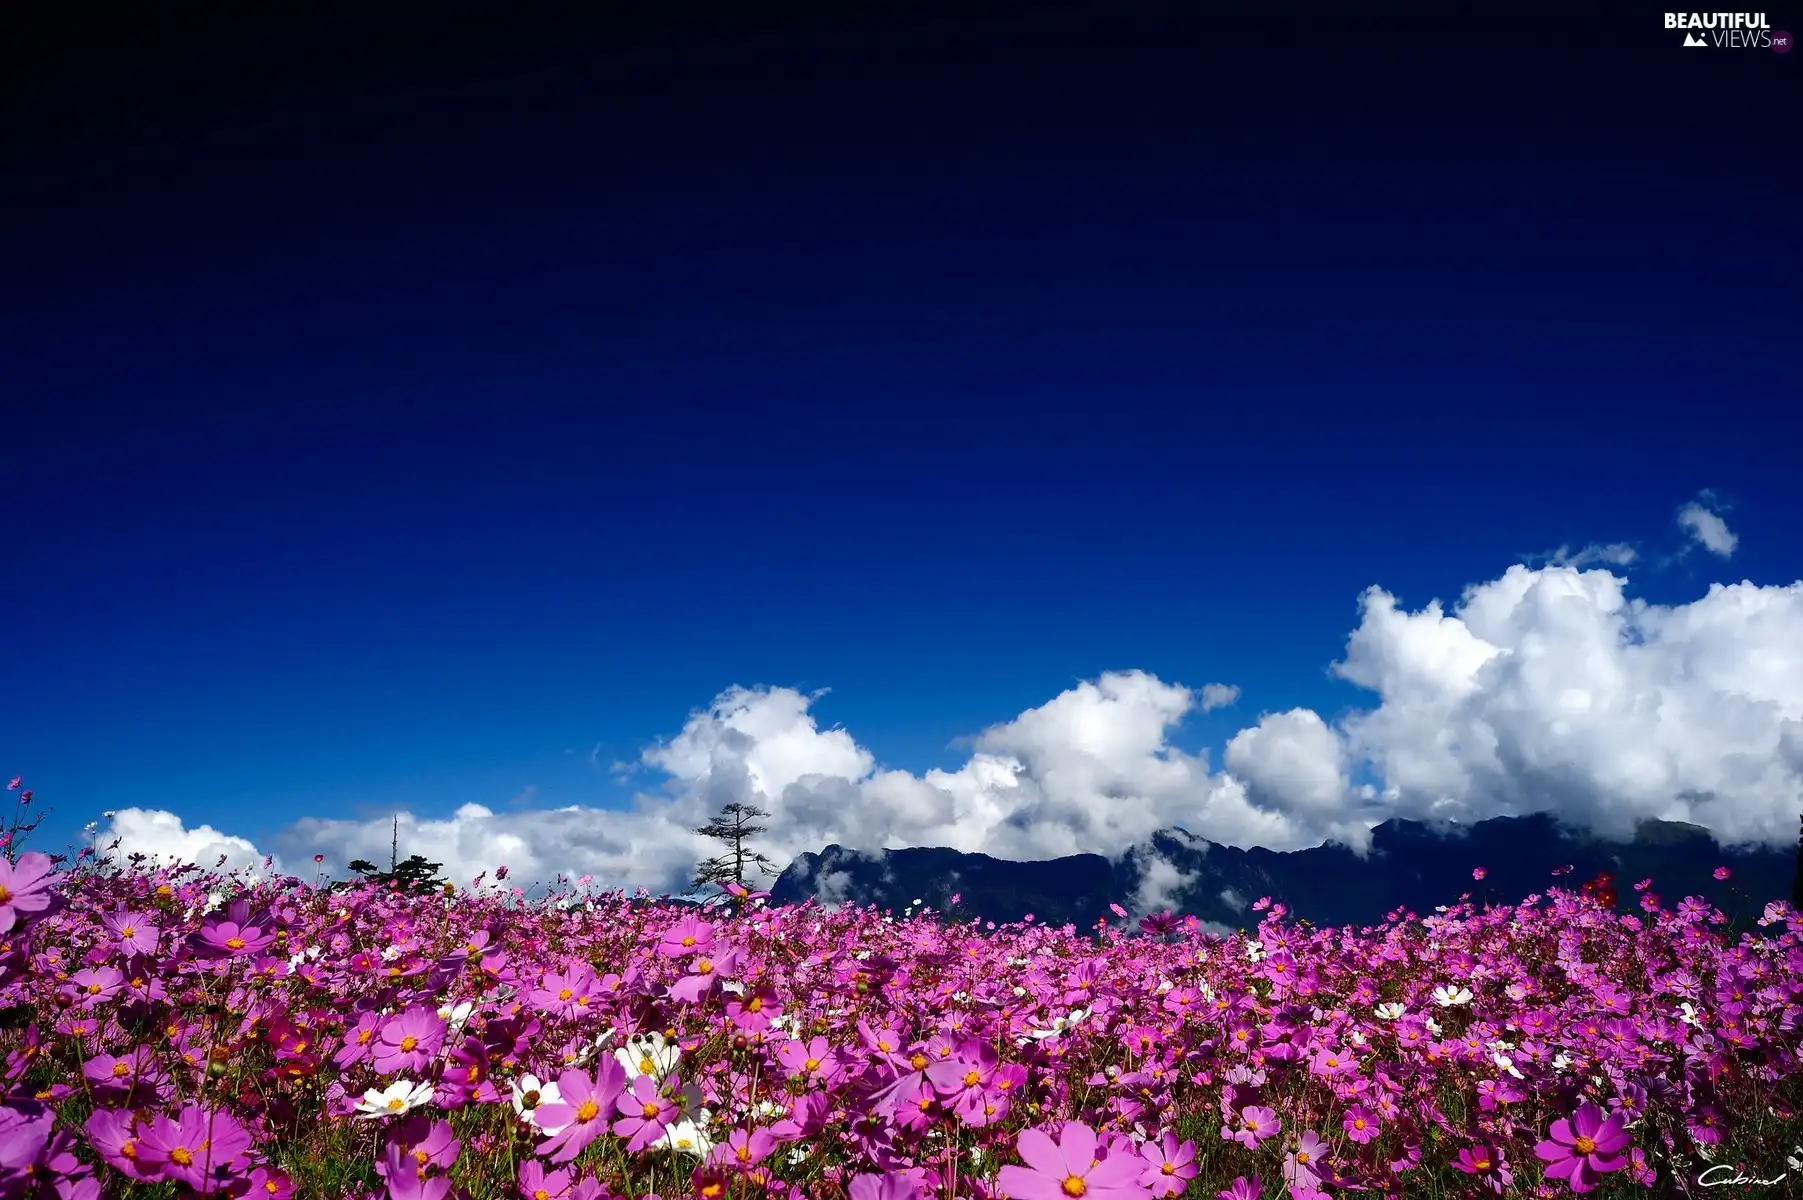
(1735,31)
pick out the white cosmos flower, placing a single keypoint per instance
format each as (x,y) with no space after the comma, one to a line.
(686,1136)
(531,1094)
(1447,996)
(1432,1025)
(1687,1013)
(1058,1027)
(648,1054)
(1505,1063)
(454,1016)
(1389,1010)
(399,1097)
(1255,950)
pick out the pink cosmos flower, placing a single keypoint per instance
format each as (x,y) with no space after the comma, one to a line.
(1302,1166)
(1256,1123)
(1170,1165)
(25,888)
(1360,1124)
(645,1111)
(1580,1150)
(1241,1189)
(1721,872)
(196,1147)
(890,1185)
(408,1041)
(536,1183)
(133,932)
(580,1114)
(1067,1169)
(691,935)
(113,1133)
(743,1149)
(228,939)
(1488,1165)
(1479,872)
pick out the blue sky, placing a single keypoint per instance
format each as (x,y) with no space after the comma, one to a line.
(454,453)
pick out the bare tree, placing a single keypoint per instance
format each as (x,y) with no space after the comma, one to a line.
(733,826)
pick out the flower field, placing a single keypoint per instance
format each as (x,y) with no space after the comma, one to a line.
(170,1032)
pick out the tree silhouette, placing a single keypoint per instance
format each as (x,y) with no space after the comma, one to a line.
(1796,885)
(410,874)
(733,826)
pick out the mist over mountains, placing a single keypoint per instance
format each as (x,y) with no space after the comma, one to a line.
(1409,865)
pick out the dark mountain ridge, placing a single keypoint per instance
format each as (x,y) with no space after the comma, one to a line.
(1411,865)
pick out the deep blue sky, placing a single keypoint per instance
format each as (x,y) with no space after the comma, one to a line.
(394,418)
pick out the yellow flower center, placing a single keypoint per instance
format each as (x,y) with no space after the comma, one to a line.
(812,1064)
(236,943)
(181,1156)
(408,1043)
(648,1110)
(588,1111)
(1074,1186)
(1482,1164)
(128,931)
(1584,1145)
(972,1078)
(396,1104)
(688,941)
(564,993)
(121,1070)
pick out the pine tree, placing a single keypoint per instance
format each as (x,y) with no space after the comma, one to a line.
(410,874)
(733,826)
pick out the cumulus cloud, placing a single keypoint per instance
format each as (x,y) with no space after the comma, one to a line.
(162,837)
(1547,688)
(1551,690)
(1218,695)
(1706,527)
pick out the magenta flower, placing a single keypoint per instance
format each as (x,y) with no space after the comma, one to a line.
(1721,872)
(1360,1124)
(1583,1148)
(1067,1169)
(228,939)
(1302,1166)
(133,932)
(645,1112)
(890,1185)
(197,1147)
(536,1183)
(25,888)
(1170,1165)
(691,935)
(1488,1165)
(743,1149)
(1241,1189)
(1256,1123)
(579,1116)
(113,1133)
(408,1041)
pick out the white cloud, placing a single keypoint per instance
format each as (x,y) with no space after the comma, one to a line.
(1234,900)
(1706,527)
(1611,554)
(162,837)
(1546,688)
(1550,690)
(1161,884)
(1218,695)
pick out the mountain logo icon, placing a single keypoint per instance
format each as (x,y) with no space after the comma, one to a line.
(1691,39)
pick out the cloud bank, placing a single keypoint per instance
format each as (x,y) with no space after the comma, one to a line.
(1545,689)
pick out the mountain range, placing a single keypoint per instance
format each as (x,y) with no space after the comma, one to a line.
(1410,865)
